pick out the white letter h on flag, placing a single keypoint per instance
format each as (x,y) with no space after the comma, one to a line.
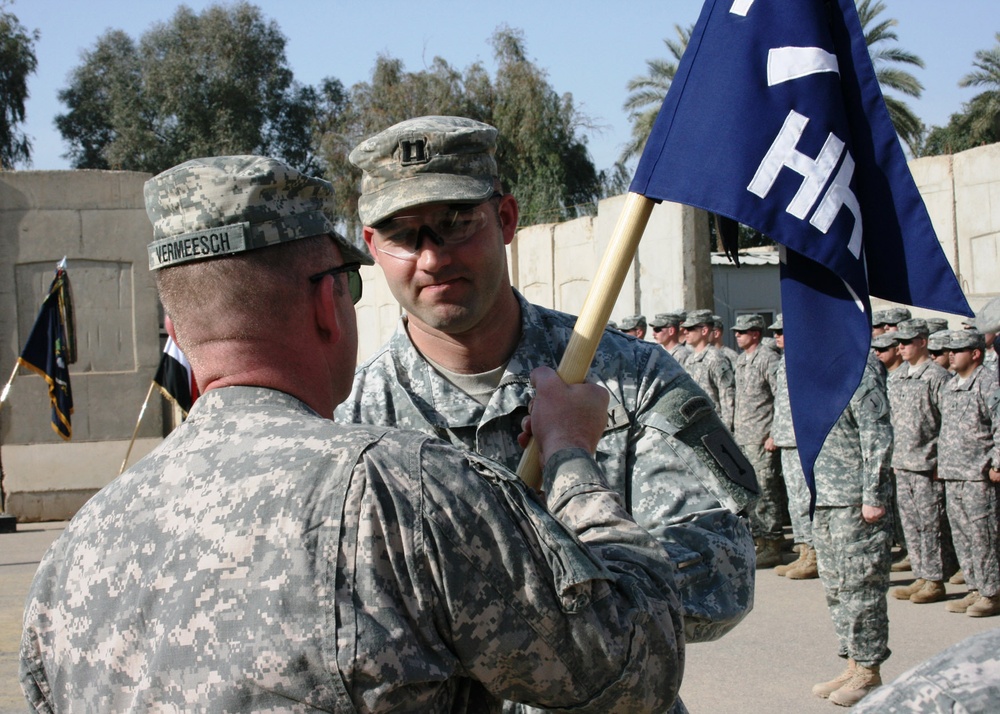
(815,173)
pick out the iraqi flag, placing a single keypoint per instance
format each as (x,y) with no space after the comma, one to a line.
(175,378)
(775,119)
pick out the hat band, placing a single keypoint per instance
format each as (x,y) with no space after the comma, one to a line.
(235,238)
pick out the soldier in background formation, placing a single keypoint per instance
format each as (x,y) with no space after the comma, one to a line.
(264,558)
(707,366)
(782,439)
(634,325)
(937,348)
(756,386)
(718,331)
(459,364)
(667,333)
(852,535)
(969,465)
(916,421)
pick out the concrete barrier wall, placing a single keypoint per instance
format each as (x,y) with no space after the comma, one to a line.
(97,220)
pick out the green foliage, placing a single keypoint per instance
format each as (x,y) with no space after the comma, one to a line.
(198,85)
(648,91)
(979,121)
(17,61)
(543,160)
(887,60)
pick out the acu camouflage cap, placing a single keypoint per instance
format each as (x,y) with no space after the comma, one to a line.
(988,318)
(433,159)
(910,329)
(884,341)
(966,340)
(895,315)
(698,317)
(778,324)
(936,324)
(668,319)
(210,207)
(748,322)
(631,322)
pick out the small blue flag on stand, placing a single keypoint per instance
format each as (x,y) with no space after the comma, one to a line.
(775,119)
(48,350)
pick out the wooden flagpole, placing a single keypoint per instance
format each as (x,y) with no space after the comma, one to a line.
(596,311)
(136,430)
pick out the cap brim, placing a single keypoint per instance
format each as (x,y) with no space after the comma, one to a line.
(422,189)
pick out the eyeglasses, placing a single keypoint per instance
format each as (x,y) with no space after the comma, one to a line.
(402,236)
(354,283)
(777,333)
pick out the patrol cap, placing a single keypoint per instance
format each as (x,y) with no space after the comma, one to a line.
(667,319)
(938,341)
(896,315)
(988,319)
(699,317)
(748,322)
(936,324)
(222,205)
(878,318)
(966,340)
(432,159)
(884,341)
(778,324)
(910,329)
(631,322)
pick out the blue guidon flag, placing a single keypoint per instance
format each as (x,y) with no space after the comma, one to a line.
(775,119)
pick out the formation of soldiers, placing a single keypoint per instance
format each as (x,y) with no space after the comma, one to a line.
(912,462)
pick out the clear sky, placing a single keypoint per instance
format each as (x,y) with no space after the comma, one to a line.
(589,48)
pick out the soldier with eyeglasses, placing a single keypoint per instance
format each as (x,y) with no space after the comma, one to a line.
(437,222)
(264,558)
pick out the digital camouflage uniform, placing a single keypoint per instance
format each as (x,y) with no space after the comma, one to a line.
(266,559)
(681,353)
(916,422)
(756,385)
(963,678)
(713,373)
(967,447)
(783,435)
(669,479)
(852,469)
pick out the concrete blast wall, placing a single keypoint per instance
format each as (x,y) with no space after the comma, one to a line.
(96,219)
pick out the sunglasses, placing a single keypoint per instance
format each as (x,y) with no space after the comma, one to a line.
(354,283)
(402,236)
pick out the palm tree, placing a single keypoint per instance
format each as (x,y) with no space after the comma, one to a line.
(890,75)
(984,110)
(647,92)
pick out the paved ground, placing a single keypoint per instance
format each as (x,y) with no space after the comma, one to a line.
(768,664)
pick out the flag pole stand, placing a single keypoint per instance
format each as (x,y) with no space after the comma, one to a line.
(136,430)
(596,311)
(8,521)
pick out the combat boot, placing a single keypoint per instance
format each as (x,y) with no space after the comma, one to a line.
(783,569)
(957,579)
(769,554)
(807,570)
(904,592)
(984,607)
(825,689)
(932,591)
(901,565)
(864,680)
(960,606)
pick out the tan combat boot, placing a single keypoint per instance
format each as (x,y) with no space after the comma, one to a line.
(960,606)
(904,592)
(957,579)
(854,690)
(932,591)
(807,570)
(825,689)
(985,607)
(802,548)
(769,554)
